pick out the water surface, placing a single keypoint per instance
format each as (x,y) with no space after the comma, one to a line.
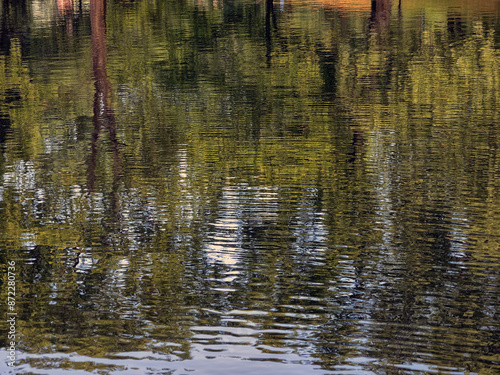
(253,187)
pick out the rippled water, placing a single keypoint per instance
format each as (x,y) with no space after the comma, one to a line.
(252,187)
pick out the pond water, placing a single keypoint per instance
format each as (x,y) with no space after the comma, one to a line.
(250,187)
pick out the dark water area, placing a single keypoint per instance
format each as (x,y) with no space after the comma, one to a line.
(250,187)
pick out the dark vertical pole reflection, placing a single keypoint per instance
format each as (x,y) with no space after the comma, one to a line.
(103,114)
(270,16)
(380,14)
(358,141)
(66,9)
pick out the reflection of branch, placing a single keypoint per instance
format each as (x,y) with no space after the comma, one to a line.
(76,260)
(357,145)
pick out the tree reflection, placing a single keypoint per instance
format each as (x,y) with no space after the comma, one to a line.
(103,117)
(308,191)
(13,16)
(381,13)
(65,10)
(270,22)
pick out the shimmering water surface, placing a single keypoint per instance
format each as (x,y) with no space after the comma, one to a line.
(251,187)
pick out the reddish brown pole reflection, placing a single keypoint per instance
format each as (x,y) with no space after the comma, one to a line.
(66,10)
(381,14)
(103,114)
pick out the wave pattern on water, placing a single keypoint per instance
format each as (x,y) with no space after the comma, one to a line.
(276,187)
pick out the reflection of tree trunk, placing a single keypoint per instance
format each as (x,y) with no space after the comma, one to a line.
(13,18)
(455,25)
(98,24)
(357,144)
(98,38)
(381,14)
(269,16)
(66,10)
(103,113)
